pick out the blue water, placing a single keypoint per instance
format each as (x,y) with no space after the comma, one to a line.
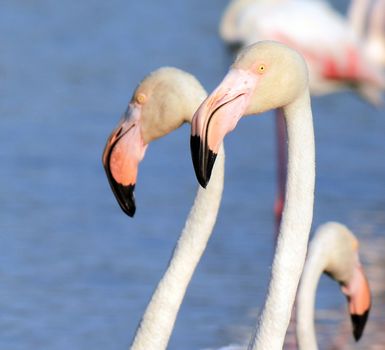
(75,272)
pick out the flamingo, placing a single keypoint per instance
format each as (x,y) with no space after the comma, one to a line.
(332,48)
(334,251)
(229,23)
(375,38)
(357,16)
(162,102)
(369,25)
(267,75)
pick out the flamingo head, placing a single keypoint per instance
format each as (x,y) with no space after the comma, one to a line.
(344,266)
(265,75)
(357,291)
(161,103)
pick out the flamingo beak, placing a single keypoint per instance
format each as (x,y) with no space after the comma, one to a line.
(217,116)
(359,299)
(124,150)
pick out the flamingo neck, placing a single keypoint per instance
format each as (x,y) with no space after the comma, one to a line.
(357,12)
(158,320)
(314,267)
(294,229)
(375,43)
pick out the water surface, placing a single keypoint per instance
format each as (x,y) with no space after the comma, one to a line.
(75,272)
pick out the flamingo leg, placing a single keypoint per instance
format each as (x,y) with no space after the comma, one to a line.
(281,138)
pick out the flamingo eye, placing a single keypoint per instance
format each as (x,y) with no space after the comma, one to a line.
(355,245)
(261,68)
(140,98)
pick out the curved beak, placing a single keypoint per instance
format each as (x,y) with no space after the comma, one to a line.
(358,295)
(217,116)
(124,150)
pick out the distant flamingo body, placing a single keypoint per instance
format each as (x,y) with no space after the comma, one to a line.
(267,75)
(334,251)
(162,102)
(331,45)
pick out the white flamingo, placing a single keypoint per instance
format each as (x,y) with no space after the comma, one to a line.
(163,101)
(334,251)
(268,75)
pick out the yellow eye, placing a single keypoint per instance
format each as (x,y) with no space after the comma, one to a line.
(355,245)
(261,68)
(140,98)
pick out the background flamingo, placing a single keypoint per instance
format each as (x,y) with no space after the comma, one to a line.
(241,24)
(367,19)
(334,251)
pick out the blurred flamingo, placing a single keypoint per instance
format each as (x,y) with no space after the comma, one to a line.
(367,19)
(334,251)
(164,100)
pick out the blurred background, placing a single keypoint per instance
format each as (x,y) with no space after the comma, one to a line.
(75,272)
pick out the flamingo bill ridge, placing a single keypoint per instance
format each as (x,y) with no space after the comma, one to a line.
(217,116)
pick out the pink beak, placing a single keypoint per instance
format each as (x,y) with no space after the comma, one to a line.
(217,116)
(359,299)
(123,152)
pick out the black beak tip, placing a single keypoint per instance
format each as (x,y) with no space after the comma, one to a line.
(130,212)
(202,168)
(202,181)
(126,198)
(124,194)
(359,322)
(195,149)
(129,209)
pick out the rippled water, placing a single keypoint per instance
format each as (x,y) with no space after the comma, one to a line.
(75,273)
